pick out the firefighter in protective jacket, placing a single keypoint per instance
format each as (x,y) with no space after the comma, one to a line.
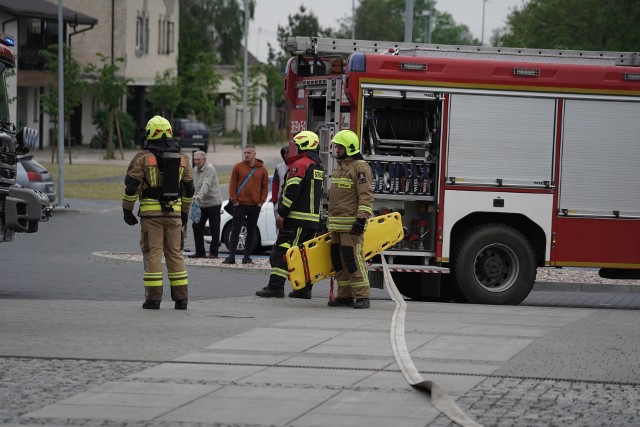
(160,178)
(299,210)
(350,206)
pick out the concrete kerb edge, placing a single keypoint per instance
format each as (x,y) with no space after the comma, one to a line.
(585,287)
(103,257)
(106,258)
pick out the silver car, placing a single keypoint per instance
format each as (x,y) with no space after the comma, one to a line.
(31,174)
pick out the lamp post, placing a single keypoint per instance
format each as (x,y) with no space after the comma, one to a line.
(427,24)
(245,77)
(484,2)
(353,19)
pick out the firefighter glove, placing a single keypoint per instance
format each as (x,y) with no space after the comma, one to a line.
(129,217)
(358,226)
(283,212)
(184,216)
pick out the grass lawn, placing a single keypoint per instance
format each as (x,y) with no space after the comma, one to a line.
(98,182)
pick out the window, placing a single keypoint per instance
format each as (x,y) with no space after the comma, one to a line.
(166,35)
(142,34)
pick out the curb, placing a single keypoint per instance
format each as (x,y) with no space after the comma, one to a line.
(106,258)
(585,287)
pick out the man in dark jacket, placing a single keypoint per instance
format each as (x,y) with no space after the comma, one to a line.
(299,210)
(248,191)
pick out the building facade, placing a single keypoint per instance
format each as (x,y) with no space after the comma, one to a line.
(144,33)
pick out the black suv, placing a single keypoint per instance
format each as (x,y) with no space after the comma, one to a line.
(191,133)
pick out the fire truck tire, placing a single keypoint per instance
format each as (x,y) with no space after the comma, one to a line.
(494,264)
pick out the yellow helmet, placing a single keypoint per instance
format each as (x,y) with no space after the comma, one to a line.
(349,140)
(306,141)
(158,128)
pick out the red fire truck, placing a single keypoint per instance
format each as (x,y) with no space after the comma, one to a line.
(500,160)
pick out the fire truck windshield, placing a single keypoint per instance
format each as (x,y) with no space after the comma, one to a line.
(4,98)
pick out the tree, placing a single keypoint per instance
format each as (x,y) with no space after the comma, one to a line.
(109,90)
(444,29)
(255,92)
(203,88)
(301,24)
(274,94)
(574,24)
(164,96)
(212,25)
(73,88)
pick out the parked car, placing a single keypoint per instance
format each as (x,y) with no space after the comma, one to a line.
(191,134)
(266,230)
(31,174)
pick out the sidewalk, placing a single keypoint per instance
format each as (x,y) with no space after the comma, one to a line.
(300,363)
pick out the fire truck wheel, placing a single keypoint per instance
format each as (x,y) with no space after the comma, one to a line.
(494,264)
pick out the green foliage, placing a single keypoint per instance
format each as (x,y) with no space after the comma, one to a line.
(207,25)
(127,129)
(109,89)
(255,91)
(255,87)
(444,29)
(164,96)
(574,24)
(301,24)
(199,88)
(73,83)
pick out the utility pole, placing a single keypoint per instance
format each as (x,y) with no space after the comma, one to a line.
(429,18)
(60,107)
(408,21)
(353,19)
(484,2)
(245,78)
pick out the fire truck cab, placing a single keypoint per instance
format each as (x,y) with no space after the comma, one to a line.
(499,160)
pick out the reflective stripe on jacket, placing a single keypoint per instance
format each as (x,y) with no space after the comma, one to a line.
(144,176)
(350,195)
(302,193)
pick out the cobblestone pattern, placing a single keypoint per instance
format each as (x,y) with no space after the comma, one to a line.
(506,402)
(29,384)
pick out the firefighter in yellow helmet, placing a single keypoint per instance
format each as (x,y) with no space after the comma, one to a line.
(350,206)
(160,177)
(299,209)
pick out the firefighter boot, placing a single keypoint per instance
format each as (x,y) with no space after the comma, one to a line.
(304,293)
(269,292)
(361,303)
(181,304)
(151,305)
(341,302)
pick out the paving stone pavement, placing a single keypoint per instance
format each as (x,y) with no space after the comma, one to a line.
(299,363)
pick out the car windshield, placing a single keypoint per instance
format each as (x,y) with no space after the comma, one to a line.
(4,98)
(193,126)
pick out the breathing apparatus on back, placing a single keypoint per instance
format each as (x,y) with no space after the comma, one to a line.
(159,140)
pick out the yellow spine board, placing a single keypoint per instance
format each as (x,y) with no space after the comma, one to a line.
(382,232)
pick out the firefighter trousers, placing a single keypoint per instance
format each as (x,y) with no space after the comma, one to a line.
(348,261)
(163,235)
(287,237)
